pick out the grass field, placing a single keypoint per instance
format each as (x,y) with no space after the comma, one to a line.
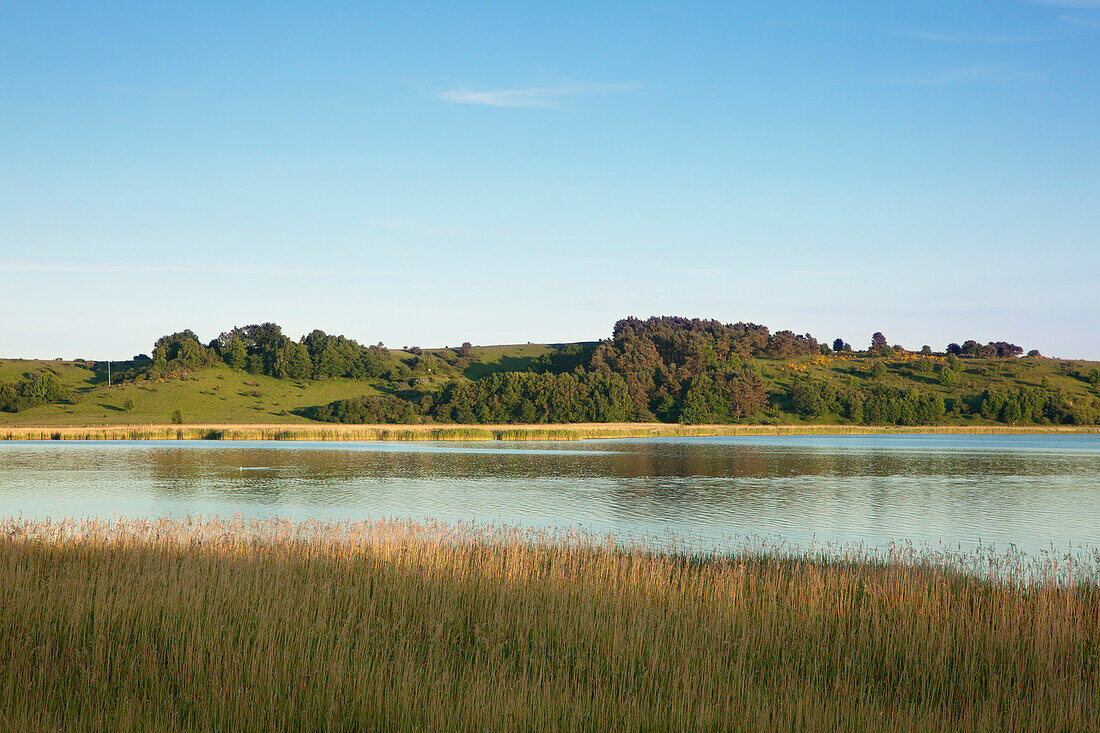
(217,394)
(221,395)
(230,625)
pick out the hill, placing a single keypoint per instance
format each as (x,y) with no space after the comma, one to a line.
(657,370)
(219,393)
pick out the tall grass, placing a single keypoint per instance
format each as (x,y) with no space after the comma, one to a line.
(576,431)
(235,624)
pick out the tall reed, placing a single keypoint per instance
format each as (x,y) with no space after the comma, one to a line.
(574,431)
(240,624)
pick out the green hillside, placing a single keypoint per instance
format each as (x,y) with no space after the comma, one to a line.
(662,369)
(221,394)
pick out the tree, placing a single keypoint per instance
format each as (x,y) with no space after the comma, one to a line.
(879,346)
(177,418)
(811,398)
(696,409)
(838,345)
(747,394)
(127,404)
(180,351)
(236,355)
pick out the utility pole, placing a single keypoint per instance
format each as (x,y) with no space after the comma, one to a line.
(108,372)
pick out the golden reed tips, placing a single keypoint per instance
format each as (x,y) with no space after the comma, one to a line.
(572,431)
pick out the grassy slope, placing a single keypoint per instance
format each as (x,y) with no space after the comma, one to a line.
(218,394)
(902,372)
(221,395)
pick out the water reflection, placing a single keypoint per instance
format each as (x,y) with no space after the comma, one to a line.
(1030,491)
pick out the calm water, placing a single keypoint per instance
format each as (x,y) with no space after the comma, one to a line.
(1033,492)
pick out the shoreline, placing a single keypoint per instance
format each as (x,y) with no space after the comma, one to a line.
(572,431)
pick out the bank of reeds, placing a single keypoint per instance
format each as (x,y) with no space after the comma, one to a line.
(243,625)
(574,431)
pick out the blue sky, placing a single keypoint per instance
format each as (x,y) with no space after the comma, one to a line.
(500,172)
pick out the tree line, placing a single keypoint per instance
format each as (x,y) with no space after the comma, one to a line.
(265,349)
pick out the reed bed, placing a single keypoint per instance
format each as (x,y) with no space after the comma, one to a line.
(241,625)
(575,431)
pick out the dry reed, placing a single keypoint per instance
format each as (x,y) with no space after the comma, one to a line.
(574,431)
(240,624)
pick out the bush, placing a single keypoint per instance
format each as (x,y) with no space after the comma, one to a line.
(177,418)
(35,388)
(367,410)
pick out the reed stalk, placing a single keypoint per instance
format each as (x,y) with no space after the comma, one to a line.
(576,431)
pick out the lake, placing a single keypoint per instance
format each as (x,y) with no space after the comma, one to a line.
(1034,492)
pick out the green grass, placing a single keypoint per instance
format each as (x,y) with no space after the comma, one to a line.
(71,373)
(504,358)
(239,625)
(214,395)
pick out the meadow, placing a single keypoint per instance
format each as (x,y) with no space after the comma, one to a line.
(216,394)
(233,624)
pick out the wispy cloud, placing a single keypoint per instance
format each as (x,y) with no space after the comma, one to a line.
(151,91)
(968,75)
(1080,21)
(727,271)
(663,8)
(543,97)
(1070,3)
(414,227)
(942,36)
(975,37)
(166,269)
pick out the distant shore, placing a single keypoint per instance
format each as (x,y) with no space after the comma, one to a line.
(572,431)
